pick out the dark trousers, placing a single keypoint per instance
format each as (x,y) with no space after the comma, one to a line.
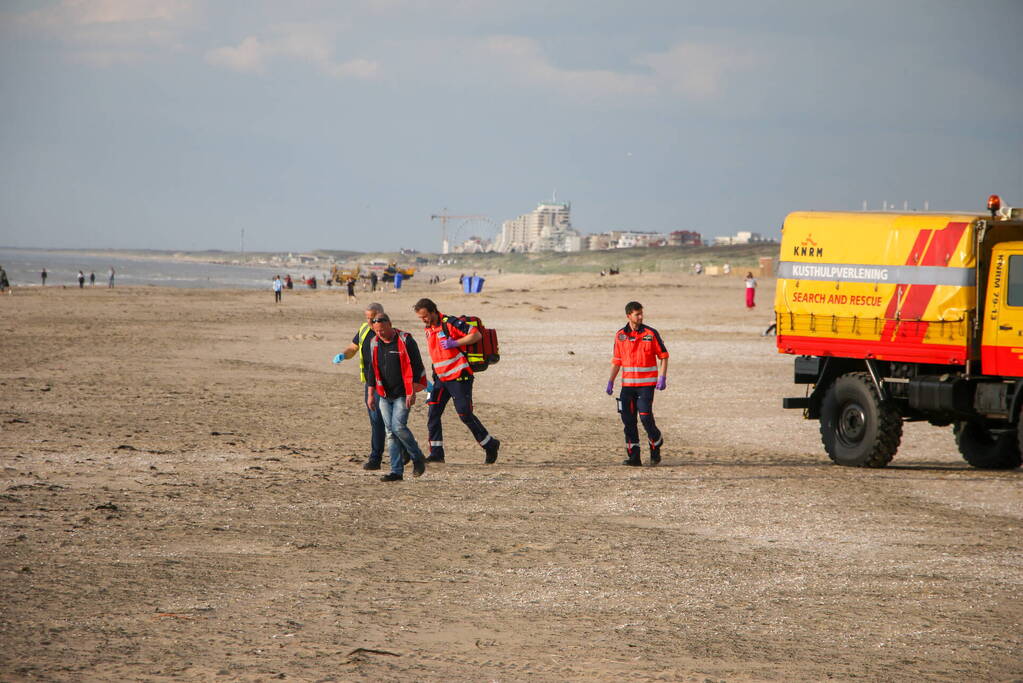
(376,423)
(639,401)
(460,393)
(277,296)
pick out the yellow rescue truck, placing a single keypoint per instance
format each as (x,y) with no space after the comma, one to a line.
(906,317)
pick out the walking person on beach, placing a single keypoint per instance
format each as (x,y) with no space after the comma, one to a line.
(350,283)
(278,286)
(110,278)
(81,280)
(5,284)
(394,373)
(92,279)
(373,281)
(42,275)
(638,350)
(452,379)
(751,290)
(379,439)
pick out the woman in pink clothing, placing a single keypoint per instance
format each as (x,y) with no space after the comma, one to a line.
(751,290)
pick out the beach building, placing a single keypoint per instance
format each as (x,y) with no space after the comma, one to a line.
(626,239)
(742,237)
(548,227)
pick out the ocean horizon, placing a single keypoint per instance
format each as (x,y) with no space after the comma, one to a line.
(24,266)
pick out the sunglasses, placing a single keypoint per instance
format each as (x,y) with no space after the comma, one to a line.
(380,320)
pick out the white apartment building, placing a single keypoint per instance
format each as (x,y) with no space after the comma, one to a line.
(626,239)
(741,237)
(548,227)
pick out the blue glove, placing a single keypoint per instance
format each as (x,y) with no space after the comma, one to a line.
(662,382)
(448,343)
(429,387)
(338,358)
(610,387)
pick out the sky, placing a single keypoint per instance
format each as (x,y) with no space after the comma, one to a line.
(316,124)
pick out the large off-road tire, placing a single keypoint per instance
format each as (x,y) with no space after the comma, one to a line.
(985,450)
(857,428)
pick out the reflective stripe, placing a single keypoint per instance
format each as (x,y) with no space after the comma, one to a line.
(364,331)
(856,272)
(631,445)
(649,369)
(436,443)
(659,442)
(450,371)
(639,380)
(447,362)
(486,440)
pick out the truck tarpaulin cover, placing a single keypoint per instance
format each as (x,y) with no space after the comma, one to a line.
(886,286)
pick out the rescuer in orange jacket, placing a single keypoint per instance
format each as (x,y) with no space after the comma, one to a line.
(452,379)
(638,351)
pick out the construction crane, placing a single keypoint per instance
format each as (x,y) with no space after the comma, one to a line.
(444,218)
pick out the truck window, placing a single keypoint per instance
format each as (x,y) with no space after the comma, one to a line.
(1015,297)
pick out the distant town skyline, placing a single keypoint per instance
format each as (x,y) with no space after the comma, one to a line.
(176,124)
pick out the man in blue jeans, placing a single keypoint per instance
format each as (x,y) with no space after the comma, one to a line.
(360,346)
(394,373)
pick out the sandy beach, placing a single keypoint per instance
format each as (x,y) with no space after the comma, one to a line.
(182,499)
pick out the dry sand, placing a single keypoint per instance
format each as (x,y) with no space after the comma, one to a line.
(182,499)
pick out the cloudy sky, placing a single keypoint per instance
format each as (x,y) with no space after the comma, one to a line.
(176,124)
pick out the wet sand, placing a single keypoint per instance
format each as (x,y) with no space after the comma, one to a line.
(182,499)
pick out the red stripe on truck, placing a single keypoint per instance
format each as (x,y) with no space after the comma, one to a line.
(899,350)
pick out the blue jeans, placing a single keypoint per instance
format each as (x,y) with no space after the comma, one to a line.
(395,417)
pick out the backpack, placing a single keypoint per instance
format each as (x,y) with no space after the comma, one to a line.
(484,353)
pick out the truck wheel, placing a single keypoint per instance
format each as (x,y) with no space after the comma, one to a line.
(984,450)
(857,428)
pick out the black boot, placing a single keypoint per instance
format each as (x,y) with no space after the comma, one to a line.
(633,459)
(491,450)
(655,451)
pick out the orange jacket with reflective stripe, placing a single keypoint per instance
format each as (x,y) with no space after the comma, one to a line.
(447,363)
(637,352)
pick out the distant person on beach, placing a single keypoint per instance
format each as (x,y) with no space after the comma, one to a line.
(394,373)
(638,351)
(92,279)
(81,280)
(288,282)
(43,276)
(373,281)
(5,284)
(278,286)
(698,268)
(379,436)
(350,283)
(110,277)
(751,290)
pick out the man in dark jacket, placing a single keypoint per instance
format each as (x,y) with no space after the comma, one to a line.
(394,373)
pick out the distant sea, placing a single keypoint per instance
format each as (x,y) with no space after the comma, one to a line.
(24,265)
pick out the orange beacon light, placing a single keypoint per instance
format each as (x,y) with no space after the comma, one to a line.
(994,202)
